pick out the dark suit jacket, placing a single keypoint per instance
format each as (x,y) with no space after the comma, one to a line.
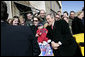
(61,32)
(18,41)
(77,26)
(34,29)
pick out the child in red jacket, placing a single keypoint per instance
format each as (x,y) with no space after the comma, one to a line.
(43,41)
(41,34)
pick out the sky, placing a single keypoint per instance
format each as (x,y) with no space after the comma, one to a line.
(72,6)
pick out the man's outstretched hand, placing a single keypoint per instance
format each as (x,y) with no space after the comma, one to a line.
(54,45)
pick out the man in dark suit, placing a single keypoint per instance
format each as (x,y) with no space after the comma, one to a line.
(63,43)
(16,40)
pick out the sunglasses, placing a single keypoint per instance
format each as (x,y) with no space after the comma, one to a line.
(35,20)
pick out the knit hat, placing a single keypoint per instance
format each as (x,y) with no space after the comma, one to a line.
(40,24)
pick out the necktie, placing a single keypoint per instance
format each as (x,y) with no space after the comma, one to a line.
(52,27)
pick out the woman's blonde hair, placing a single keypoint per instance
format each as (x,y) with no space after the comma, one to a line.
(21,18)
(79,13)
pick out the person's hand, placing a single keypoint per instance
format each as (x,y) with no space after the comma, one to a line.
(49,41)
(37,35)
(45,25)
(45,43)
(40,33)
(40,43)
(54,45)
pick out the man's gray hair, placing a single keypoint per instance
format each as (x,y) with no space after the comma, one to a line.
(51,15)
(42,10)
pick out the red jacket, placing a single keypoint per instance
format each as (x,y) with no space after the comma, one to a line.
(42,35)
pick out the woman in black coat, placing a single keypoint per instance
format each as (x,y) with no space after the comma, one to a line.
(77,25)
(34,27)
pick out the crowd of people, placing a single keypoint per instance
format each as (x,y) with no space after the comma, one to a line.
(38,28)
(32,20)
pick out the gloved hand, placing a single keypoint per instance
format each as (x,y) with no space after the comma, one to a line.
(40,43)
(45,43)
(49,41)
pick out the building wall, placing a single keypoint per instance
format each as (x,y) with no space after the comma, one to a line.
(52,5)
(46,5)
(23,2)
(38,4)
(15,11)
(9,8)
